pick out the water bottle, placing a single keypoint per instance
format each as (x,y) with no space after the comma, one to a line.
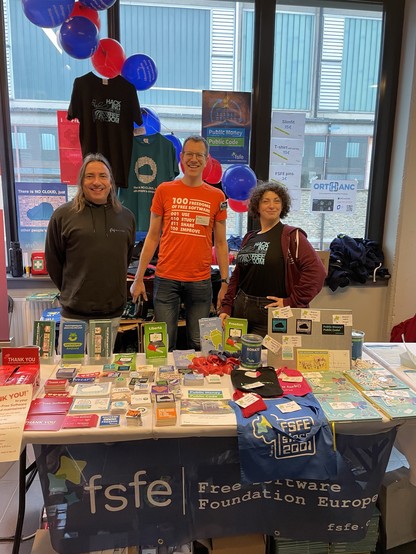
(16,259)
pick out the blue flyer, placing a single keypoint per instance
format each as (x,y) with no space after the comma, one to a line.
(73,339)
(109,420)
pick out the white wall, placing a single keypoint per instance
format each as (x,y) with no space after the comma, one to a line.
(368,305)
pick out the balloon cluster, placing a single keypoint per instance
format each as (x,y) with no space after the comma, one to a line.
(238,181)
(79,38)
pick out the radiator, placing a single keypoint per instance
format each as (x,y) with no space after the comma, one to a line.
(24,313)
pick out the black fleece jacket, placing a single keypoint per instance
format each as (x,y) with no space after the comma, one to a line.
(87,256)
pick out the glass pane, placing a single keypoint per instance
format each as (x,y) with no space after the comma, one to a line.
(326,67)
(207,46)
(40,79)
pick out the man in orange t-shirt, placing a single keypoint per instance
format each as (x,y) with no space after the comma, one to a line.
(184,214)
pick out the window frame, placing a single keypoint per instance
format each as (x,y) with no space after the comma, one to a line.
(263,57)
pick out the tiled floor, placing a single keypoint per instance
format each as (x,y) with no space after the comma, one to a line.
(34,504)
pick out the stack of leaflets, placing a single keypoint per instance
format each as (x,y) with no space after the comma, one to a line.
(347,406)
(374,379)
(46,296)
(206,412)
(165,415)
(328,381)
(206,407)
(47,414)
(67,371)
(89,405)
(80,421)
(394,403)
(55,386)
(125,362)
(43,406)
(183,358)
(92,390)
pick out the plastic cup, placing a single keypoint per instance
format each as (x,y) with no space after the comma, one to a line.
(357,344)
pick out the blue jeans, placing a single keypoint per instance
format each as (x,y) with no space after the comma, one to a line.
(167,298)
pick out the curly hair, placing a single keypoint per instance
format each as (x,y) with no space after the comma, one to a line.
(258,192)
(79,198)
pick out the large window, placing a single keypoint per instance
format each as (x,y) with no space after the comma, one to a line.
(326,65)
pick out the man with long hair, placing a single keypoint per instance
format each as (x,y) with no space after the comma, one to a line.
(89,243)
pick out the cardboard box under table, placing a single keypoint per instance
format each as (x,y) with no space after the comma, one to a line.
(310,339)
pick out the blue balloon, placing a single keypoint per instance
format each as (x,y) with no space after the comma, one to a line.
(98,4)
(47,13)
(140,70)
(238,180)
(176,143)
(79,37)
(151,121)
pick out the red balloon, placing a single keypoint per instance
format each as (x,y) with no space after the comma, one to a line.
(238,205)
(80,10)
(109,58)
(215,174)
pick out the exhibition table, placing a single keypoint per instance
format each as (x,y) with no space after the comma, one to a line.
(388,356)
(168,485)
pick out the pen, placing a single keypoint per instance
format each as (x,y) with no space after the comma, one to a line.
(12,373)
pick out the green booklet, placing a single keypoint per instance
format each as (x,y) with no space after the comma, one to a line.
(235,328)
(155,341)
(44,337)
(328,381)
(125,361)
(394,403)
(347,406)
(99,340)
(48,296)
(374,379)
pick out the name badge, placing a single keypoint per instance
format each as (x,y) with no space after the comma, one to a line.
(202,220)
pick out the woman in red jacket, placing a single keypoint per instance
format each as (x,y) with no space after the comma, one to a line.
(276,265)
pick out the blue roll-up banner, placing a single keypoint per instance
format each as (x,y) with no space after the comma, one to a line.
(226,125)
(171,491)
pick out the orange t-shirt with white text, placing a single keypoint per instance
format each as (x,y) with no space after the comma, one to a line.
(189,215)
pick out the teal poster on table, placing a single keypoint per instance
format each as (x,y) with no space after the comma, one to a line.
(226,125)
